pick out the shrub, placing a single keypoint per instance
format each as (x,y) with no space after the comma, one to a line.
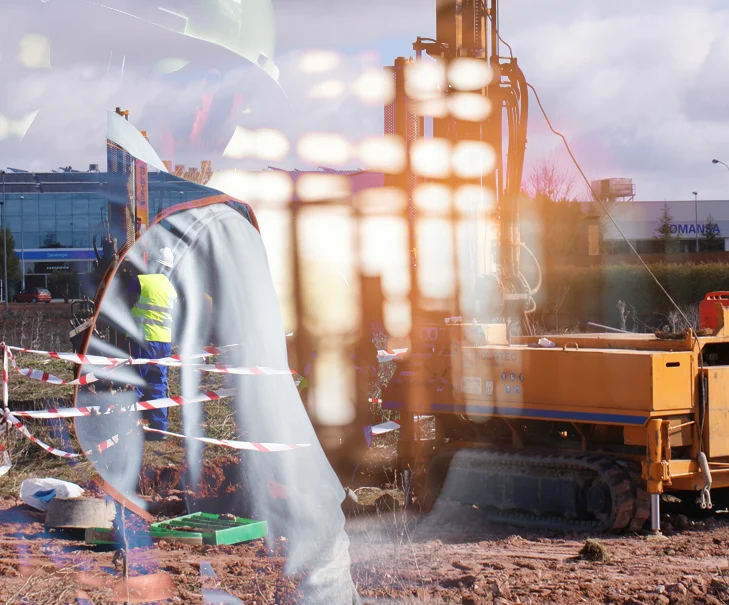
(593,293)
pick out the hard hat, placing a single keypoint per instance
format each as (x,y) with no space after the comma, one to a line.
(246,28)
(166,257)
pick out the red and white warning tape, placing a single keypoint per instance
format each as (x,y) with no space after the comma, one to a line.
(152,404)
(166,402)
(100,360)
(51,379)
(51,450)
(105,445)
(237,445)
(112,363)
(384,355)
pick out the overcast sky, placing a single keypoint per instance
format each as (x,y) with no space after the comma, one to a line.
(641,89)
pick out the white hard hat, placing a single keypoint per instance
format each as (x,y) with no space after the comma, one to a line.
(166,257)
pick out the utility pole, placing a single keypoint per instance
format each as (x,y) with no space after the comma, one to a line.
(5,249)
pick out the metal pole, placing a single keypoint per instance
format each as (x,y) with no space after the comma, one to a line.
(656,513)
(5,250)
(22,244)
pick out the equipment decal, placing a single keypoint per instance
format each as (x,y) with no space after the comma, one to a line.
(471,385)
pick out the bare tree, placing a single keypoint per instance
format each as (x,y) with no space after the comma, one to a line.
(549,180)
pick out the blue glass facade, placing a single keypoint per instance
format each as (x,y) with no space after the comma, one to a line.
(53,216)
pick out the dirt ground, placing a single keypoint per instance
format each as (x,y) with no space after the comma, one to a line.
(449,556)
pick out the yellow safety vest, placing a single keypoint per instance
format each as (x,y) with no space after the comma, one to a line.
(153,311)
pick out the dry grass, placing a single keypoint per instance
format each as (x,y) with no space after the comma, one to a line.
(29,460)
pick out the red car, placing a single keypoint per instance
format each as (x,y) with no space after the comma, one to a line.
(32,295)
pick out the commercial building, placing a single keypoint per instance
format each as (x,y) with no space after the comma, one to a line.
(687,221)
(54,216)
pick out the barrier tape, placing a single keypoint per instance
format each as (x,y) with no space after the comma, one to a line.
(112,363)
(105,445)
(101,360)
(237,445)
(140,406)
(42,376)
(51,450)
(384,355)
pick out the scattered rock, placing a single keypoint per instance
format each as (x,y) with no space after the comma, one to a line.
(8,571)
(501,601)
(594,550)
(719,585)
(504,590)
(662,599)
(462,566)
(681,522)
(457,582)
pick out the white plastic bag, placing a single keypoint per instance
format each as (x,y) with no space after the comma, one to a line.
(5,464)
(39,492)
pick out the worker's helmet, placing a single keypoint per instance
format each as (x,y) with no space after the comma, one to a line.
(166,258)
(244,27)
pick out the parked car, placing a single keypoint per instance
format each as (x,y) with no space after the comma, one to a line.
(32,295)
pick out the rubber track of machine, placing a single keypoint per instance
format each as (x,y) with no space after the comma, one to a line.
(622,488)
(430,479)
(616,477)
(642,510)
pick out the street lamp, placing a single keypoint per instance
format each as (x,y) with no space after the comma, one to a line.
(720,162)
(696,212)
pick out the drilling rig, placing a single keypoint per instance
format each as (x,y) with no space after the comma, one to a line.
(578,431)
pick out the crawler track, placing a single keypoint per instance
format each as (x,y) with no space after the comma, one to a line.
(552,490)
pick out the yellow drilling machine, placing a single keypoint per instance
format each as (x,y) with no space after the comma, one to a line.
(573,431)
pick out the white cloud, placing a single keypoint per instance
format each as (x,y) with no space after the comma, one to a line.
(638,88)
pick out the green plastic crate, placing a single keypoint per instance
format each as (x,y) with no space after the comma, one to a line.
(213,529)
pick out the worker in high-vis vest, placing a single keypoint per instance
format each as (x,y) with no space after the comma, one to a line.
(153,315)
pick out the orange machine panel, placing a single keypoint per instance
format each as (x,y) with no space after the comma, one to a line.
(717,420)
(583,385)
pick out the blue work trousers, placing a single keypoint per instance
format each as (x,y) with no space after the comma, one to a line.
(155,377)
